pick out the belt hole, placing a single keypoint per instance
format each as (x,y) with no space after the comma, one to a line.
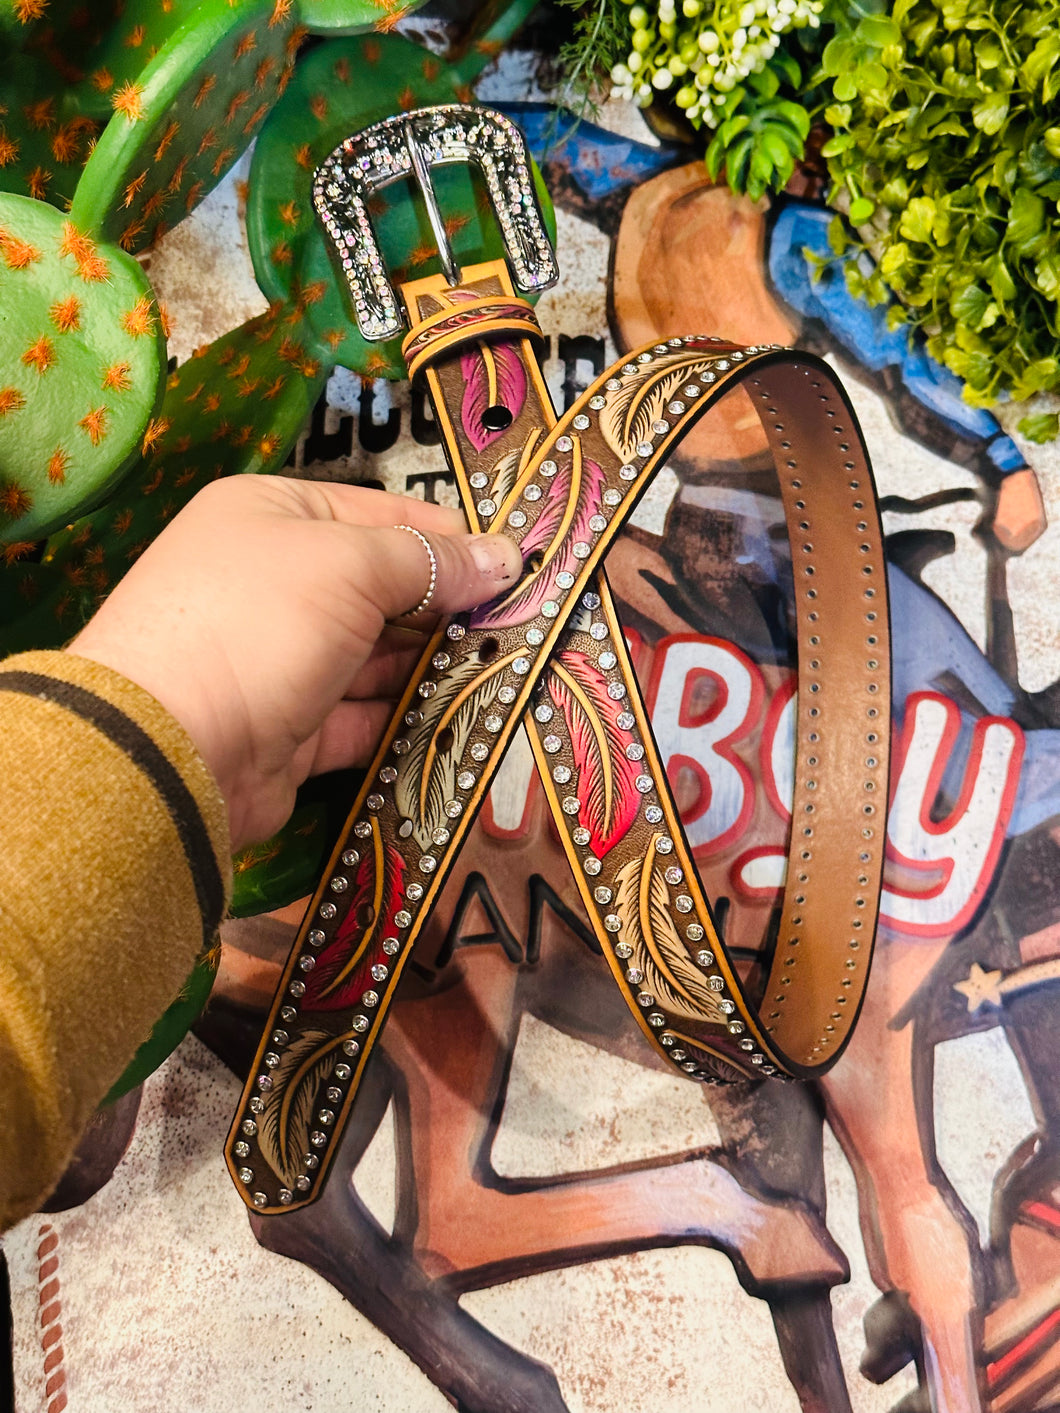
(496,418)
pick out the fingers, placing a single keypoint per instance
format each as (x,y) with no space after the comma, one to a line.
(349,735)
(468,570)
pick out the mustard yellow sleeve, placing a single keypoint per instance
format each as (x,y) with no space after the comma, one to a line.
(114,871)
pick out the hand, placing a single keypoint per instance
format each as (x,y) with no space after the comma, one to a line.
(1019,518)
(259,619)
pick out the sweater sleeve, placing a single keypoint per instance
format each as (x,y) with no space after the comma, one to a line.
(114,872)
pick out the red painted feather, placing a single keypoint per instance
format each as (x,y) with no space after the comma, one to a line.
(343,967)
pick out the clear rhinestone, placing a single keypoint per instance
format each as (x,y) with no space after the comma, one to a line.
(307,963)
(660,428)
(455,632)
(644,784)
(653,814)
(634,751)
(591,864)
(370,999)
(563,444)
(613,923)
(591,601)
(597,523)
(678,1055)
(644,448)
(362,829)
(552,744)
(658,1020)
(571,805)
(375,802)
(548,468)
(736,1027)
(477,480)
(351,858)
(339,884)
(241,1149)
(564,579)
(727,1007)
(694,932)
(326,1117)
(626,720)
(414,892)
(613,384)
(327,911)
(580,422)
(612,497)
(517,519)
(296,988)
(603,894)
(428,863)
(616,690)
(645,999)
(597,402)
(486,508)
(342,1072)
(543,712)
(581,550)
(316,938)
(391,946)
(534,637)
(441,661)
(479,752)
(634,976)
(351,1047)
(691,390)
(256,1104)
(360,1024)
(264,1081)
(683,903)
(598,632)
(549,609)
(561,774)
(521,666)
(440,836)
(664,844)
(581,836)
(302,1182)
(285,1195)
(507,695)
(380,972)
(427,689)
(288,1013)
(402,918)
(465,780)
(623,950)
(673,874)
(715,983)
(676,408)
(400,746)
(532,492)
(249,1127)
(722,365)
(317,1138)
(493,722)
(628,473)
(246,1175)
(453,808)
(628,368)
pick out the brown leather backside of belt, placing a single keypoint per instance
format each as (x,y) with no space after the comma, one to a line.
(551,653)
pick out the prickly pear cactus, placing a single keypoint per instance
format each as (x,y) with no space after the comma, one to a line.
(337,88)
(82,356)
(353,16)
(237,406)
(45,134)
(182,122)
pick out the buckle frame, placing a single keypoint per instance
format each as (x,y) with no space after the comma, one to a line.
(412,144)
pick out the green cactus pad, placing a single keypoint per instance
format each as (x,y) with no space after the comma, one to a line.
(181,124)
(45,133)
(236,407)
(342,86)
(352,16)
(82,357)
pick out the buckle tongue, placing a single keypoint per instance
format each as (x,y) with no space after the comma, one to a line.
(411,145)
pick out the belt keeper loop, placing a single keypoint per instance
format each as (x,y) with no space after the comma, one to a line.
(480,319)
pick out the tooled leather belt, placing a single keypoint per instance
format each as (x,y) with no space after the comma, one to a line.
(551,654)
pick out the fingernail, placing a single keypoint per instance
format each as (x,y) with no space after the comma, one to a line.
(495,556)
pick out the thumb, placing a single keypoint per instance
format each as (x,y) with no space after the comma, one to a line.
(467,570)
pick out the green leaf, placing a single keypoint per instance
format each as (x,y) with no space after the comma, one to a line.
(971,304)
(1040,427)
(1026,219)
(917,219)
(880,31)
(1041,60)
(844,87)
(861,210)
(840,143)
(838,239)
(1047,275)
(990,112)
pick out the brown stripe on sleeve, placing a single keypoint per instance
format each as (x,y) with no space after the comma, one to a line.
(145,754)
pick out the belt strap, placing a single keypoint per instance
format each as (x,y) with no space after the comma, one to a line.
(551,653)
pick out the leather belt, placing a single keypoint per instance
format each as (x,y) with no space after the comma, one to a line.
(551,654)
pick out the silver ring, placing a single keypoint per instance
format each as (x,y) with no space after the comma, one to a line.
(424,603)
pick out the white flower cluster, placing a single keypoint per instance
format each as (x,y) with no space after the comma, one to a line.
(708,49)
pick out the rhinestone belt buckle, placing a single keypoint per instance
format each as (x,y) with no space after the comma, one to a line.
(413,144)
